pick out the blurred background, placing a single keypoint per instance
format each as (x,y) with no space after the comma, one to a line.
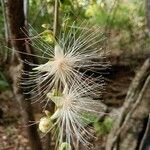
(126,25)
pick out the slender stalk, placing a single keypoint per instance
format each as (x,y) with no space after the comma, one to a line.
(55,32)
(56,19)
(26,11)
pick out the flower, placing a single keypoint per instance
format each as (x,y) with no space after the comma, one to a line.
(60,67)
(69,116)
(70,76)
(77,55)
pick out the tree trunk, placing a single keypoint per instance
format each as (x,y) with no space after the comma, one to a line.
(16,21)
(131,128)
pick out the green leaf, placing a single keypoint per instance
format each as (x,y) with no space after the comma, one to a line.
(4,85)
(48,36)
(108,123)
(103,127)
(88,117)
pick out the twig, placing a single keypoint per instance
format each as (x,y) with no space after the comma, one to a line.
(26,11)
(56,19)
(55,32)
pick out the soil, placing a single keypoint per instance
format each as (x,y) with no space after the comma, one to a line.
(12,130)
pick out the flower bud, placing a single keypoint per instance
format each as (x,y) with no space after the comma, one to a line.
(45,124)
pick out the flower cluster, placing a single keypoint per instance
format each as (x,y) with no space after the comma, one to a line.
(71,79)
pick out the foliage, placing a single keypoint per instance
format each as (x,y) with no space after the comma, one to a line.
(103,127)
(124,19)
(40,12)
(4,85)
(1,22)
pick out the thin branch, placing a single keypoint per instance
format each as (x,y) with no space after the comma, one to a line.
(26,11)
(56,33)
(56,19)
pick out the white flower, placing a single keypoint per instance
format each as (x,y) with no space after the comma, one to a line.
(77,55)
(72,68)
(69,116)
(60,67)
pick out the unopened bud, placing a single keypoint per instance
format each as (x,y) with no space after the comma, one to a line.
(45,124)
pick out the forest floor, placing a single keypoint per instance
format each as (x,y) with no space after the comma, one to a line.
(12,130)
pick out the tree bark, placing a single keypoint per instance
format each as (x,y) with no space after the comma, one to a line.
(16,21)
(129,127)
